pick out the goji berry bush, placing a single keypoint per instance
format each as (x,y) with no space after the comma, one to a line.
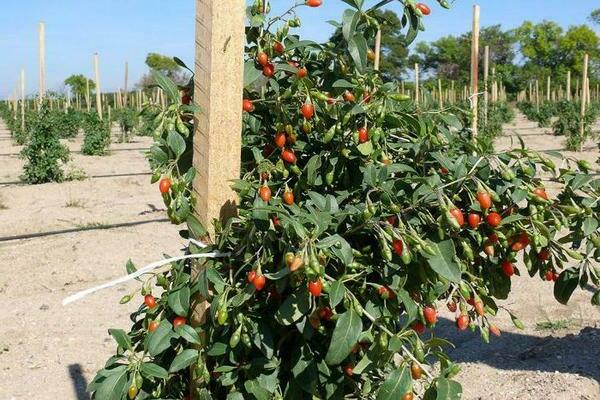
(359,217)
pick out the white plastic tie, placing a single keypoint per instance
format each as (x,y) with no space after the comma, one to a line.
(150,267)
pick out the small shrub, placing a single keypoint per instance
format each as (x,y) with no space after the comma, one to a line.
(43,151)
(74,173)
(569,121)
(67,124)
(97,136)
(127,119)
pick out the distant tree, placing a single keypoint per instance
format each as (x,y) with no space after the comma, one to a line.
(165,65)
(77,84)
(449,57)
(394,51)
(595,16)
(549,50)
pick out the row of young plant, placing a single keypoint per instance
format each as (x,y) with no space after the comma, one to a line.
(359,217)
(564,117)
(44,153)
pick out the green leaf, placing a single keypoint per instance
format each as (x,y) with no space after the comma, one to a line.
(167,85)
(345,335)
(366,148)
(179,301)
(397,384)
(303,43)
(565,285)
(197,230)
(184,359)
(218,349)
(354,3)
(409,304)
(342,83)
(357,46)
(130,267)
(176,143)
(448,390)
(518,195)
(160,340)
(251,73)
(151,370)
(312,167)
(254,387)
(113,386)
(443,261)
(590,224)
(188,333)
(339,247)
(121,338)
(294,307)
(512,218)
(337,291)
(349,22)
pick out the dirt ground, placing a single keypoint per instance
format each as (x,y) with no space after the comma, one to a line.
(58,349)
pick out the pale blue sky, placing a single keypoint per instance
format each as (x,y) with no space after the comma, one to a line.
(129,29)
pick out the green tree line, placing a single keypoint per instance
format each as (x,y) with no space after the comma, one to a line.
(530,51)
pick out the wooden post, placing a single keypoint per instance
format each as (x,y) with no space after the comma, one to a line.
(548,88)
(583,98)
(441,93)
(42,61)
(417,85)
(125,84)
(87,94)
(98,92)
(486,72)
(218,83)
(474,68)
(537,95)
(377,49)
(23,99)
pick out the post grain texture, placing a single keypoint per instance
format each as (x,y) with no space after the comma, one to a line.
(218,88)
(22,81)
(474,69)
(42,61)
(98,91)
(486,71)
(218,92)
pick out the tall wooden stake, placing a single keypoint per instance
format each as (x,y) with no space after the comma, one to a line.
(98,92)
(441,94)
(486,71)
(218,82)
(42,61)
(583,99)
(569,85)
(377,50)
(548,90)
(125,84)
(417,85)
(474,68)
(537,95)
(87,94)
(23,99)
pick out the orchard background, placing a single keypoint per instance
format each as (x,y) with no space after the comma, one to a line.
(78,231)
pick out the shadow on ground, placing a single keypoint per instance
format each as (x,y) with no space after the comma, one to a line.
(79,382)
(577,353)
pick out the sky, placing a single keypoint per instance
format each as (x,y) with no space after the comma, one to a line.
(127,30)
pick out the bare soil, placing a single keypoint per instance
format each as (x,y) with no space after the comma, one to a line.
(48,351)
